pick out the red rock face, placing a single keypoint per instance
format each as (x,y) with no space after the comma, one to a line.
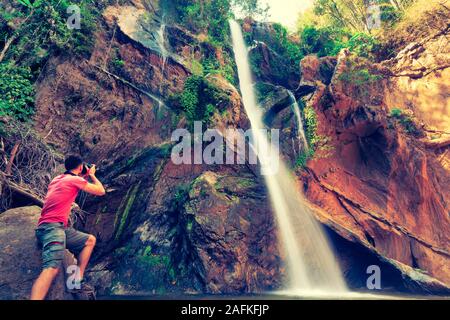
(377,181)
(103,109)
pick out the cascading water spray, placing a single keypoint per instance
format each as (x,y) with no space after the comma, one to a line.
(301,132)
(161,40)
(311,265)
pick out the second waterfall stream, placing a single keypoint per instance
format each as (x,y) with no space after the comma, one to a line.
(310,263)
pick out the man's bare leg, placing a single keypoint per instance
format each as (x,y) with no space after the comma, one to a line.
(43,283)
(85,255)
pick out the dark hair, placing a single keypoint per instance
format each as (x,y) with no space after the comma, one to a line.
(72,162)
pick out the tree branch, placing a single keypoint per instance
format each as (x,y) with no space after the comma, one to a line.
(10,162)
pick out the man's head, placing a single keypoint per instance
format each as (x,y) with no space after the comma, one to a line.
(74,164)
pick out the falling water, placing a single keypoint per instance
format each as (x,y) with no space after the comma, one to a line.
(160,39)
(311,265)
(298,116)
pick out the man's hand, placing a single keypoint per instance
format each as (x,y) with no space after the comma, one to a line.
(92,170)
(96,188)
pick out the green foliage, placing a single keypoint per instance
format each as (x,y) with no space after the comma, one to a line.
(326,20)
(16,92)
(315,141)
(30,5)
(352,14)
(199,99)
(285,58)
(396,113)
(210,65)
(190,98)
(252,8)
(310,119)
(363,44)
(359,77)
(405,120)
(196,67)
(151,261)
(256,60)
(303,158)
(40,30)
(263,91)
(119,63)
(210,16)
(280,41)
(287,47)
(181,196)
(326,41)
(159,264)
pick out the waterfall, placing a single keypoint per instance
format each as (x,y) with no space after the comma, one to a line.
(161,41)
(298,116)
(310,264)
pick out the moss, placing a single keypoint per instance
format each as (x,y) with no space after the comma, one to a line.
(314,140)
(122,251)
(303,157)
(156,264)
(126,207)
(139,158)
(240,183)
(189,225)
(264,91)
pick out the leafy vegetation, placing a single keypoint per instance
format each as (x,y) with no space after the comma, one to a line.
(321,41)
(16,92)
(359,77)
(263,91)
(310,119)
(40,29)
(31,32)
(199,99)
(330,25)
(211,16)
(287,52)
(405,120)
(352,14)
(315,141)
(227,69)
(285,45)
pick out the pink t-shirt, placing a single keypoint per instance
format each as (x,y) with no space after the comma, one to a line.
(61,193)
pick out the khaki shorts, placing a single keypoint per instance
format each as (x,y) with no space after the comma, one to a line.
(53,238)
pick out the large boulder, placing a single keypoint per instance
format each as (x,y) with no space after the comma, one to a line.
(20,257)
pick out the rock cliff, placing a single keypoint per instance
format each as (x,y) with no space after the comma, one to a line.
(378,181)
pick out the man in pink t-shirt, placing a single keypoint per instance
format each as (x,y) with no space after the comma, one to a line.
(53,233)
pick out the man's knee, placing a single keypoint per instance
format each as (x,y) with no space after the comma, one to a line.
(51,271)
(91,241)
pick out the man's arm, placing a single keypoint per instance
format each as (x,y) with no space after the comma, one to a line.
(96,188)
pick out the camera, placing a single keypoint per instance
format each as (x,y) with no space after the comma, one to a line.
(86,167)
